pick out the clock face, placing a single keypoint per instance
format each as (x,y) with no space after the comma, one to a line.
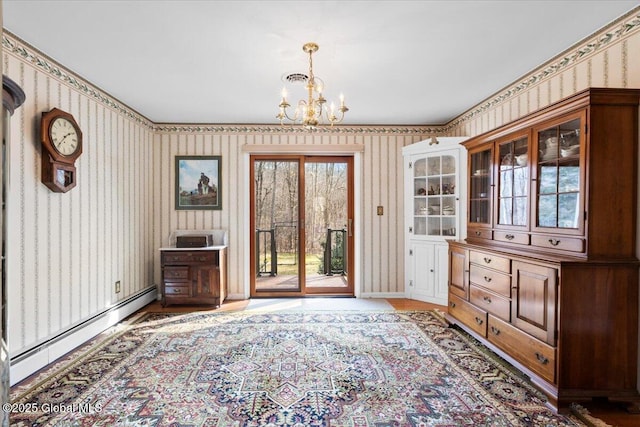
(64,136)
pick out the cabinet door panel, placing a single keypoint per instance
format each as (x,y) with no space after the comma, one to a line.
(206,281)
(534,304)
(421,264)
(441,263)
(458,268)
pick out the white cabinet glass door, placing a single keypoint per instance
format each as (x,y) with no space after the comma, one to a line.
(435,195)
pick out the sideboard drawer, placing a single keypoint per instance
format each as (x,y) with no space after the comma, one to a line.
(534,354)
(175,273)
(493,303)
(471,316)
(490,279)
(508,236)
(189,257)
(177,290)
(490,261)
(558,242)
(480,233)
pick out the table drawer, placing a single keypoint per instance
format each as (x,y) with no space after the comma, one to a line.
(176,273)
(534,354)
(471,316)
(177,290)
(491,279)
(490,302)
(189,257)
(557,242)
(491,261)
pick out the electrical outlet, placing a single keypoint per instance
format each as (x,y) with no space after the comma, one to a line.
(380,210)
(118,287)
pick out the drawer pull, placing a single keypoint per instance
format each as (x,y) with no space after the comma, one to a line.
(495,331)
(452,304)
(554,242)
(177,291)
(487,260)
(479,321)
(509,237)
(487,279)
(541,358)
(478,233)
(487,299)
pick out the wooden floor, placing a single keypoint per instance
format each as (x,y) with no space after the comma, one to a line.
(612,413)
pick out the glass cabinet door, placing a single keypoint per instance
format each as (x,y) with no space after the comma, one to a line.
(480,187)
(435,195)
(558,203)
(513,182)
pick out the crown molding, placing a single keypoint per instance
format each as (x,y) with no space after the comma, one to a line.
(278,129)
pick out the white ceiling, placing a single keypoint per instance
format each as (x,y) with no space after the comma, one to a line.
(397,62)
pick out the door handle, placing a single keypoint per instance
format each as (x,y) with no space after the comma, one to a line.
(350,227)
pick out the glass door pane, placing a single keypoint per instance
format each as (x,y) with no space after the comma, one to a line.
(558,202)
(276,222)
(513,182)
(435,196)
(480,191)
(327,225)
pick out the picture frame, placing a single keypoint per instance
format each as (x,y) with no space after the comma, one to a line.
(198,182)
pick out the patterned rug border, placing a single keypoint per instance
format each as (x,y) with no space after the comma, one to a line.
(30,386)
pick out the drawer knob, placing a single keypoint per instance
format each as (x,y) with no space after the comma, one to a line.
(554,242)
(478,233)
(495,330)
(479,321)
(509,237)
(487,299)
(487,279)
(487,260)
(452,304)
(541,358)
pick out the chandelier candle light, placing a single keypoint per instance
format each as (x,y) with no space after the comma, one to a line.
(310,113)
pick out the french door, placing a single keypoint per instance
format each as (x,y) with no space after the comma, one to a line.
(302,225)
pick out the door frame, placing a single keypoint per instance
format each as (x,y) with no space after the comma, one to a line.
(301,159)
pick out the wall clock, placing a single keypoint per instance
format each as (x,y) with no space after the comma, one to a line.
(61,140)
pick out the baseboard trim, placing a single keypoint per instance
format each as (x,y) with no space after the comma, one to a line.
(30,361)
(382,295)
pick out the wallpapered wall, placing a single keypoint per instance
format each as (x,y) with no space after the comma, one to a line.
(66,251)
(382,180)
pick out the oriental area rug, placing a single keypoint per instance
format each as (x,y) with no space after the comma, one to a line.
(294,369)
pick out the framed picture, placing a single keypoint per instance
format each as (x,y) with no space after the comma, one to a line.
(198,182)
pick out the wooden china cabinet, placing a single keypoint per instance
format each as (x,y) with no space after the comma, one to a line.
(548,274)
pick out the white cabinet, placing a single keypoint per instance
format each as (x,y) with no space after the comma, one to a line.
(427,272)
(435,185)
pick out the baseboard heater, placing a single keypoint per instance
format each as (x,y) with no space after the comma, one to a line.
(142,298)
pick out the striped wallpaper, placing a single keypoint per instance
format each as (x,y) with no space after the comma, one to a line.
(67,250)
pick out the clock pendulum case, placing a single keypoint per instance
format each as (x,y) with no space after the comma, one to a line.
(61,140)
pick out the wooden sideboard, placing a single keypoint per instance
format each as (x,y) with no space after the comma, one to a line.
(194,275)
(548,274)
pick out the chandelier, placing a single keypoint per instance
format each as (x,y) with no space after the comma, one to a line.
(312,111)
